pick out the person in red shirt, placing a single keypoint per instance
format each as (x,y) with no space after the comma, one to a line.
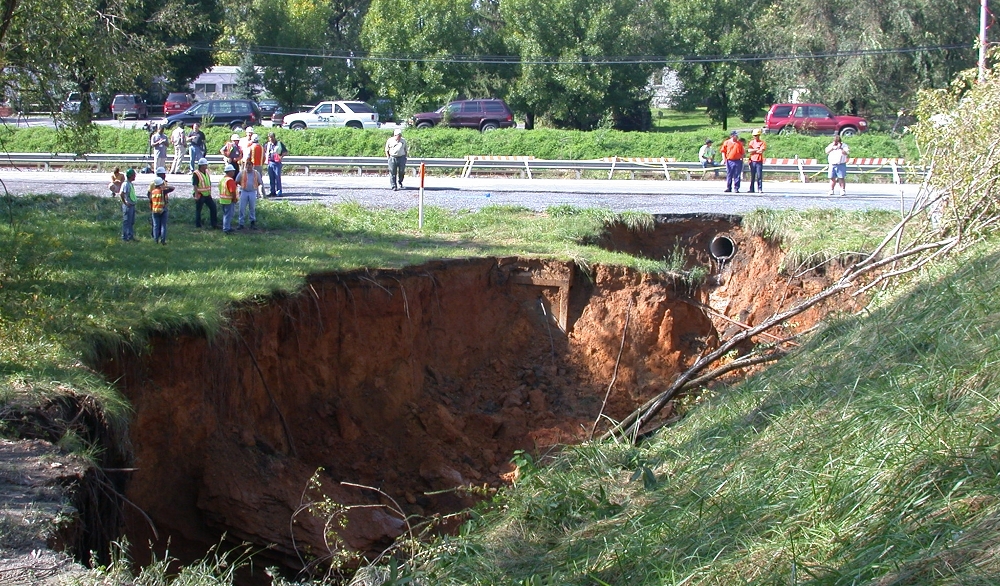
(732,151)
(756,151)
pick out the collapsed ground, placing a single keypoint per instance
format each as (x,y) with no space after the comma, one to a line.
(408,384)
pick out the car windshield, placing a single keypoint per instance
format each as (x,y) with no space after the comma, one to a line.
(177,98)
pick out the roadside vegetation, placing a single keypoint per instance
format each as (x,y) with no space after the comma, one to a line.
(870,456)
(455,143)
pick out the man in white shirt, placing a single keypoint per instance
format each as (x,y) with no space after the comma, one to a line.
(836,156)
(706,154)
(396,151)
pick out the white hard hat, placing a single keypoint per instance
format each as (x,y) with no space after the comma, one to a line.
(234,137)
(202,161)
(229,167)
(161,170)
(158,181)
(249,129)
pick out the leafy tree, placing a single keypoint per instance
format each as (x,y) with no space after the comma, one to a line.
(398,31)
(720,29)
(882,81)
(248,79)
(187,29)
(578,91)
(292,25)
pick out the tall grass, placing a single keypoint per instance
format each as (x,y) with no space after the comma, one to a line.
(871,456)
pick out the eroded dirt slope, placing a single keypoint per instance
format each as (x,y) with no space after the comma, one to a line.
(415,382)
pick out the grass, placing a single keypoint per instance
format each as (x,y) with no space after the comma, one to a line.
(680,141)
(868,457)
(667,120)
(812,237)
(69,286)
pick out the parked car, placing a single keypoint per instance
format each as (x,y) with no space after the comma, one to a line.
(125,105)
(232,113)
(177,102)
(483,115)
(267,107)
(337,113)
(74,99)
(816,118)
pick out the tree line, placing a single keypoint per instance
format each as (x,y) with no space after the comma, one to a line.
(575,64)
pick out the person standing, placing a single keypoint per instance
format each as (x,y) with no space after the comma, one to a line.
(249,180)
(202,183)
(255,154)
(228,196)
(274,152)
(836,156)
(396,151)
(231,150)
(246,140)
(158,144)
(127,195)
(733,152)
(756,150)
(196,145)
(158,206)
(165,188)
(706,155)
(178,139)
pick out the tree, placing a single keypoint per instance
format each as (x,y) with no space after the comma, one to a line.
(414,45)
(298,26)
(882,81)
(248,79)
(562,44)
(710,30)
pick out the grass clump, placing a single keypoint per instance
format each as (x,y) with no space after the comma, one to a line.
(812,237)
(869,456)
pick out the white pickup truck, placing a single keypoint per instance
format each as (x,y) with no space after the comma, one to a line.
(349,114)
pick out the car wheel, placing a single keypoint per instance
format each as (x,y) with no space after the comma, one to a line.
(848,131)
(298,126)
(355,124)
(235,126)
(787,130)
(424,125)
(489,126)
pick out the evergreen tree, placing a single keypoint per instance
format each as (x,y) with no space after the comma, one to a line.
(248,79)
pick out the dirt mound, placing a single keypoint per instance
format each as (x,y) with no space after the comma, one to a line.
(403,385)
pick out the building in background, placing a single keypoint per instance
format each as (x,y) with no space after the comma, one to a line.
(217,82)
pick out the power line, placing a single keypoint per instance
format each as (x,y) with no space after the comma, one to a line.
(590,60)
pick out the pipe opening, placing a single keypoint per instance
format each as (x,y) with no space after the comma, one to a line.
(722,248)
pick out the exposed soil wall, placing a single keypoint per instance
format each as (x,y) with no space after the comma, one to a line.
(413,382)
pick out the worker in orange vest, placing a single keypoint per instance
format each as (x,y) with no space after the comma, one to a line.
(255,154)
(756,150)
(228,196)
(158,205)
(732,151)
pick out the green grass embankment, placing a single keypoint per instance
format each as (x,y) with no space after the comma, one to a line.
(452,143)
(870,456)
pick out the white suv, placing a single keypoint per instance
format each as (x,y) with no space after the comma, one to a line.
(326,114)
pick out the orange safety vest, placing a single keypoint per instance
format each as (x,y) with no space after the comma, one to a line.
(204,188)
(256,155)
(227,191)
(157,200)
(759,146)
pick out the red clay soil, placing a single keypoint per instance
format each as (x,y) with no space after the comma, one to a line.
(413,382)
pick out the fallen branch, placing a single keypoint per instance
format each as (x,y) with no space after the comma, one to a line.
(614,376)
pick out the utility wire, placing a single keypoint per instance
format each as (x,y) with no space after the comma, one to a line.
(590,60)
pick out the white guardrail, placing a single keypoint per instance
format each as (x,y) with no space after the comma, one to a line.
(804,169)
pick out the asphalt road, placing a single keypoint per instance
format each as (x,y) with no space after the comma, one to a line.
(455,193)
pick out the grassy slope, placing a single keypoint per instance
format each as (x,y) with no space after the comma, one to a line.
(871,456)
(68,283)
(451,143)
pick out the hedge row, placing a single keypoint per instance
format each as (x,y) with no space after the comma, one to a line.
(451,143)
